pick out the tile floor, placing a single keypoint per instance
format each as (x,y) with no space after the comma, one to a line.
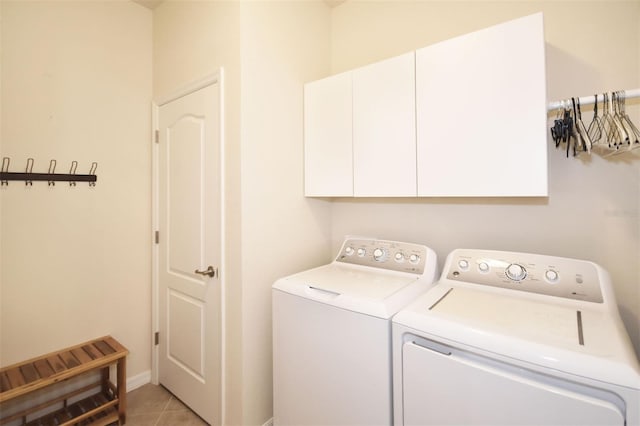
(152,405)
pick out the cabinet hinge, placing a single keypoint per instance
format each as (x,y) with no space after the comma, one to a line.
(157,237)
(157,136)
(156,338)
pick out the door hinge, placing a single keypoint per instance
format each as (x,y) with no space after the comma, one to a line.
(156,338)
(157,237)
(157,136)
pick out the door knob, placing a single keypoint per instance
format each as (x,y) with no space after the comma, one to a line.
(209,272)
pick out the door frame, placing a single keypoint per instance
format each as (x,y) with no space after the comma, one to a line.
(217,77)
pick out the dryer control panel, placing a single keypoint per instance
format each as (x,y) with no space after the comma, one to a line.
(392,255)
(549,275)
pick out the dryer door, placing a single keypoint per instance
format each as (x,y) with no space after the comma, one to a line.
(447,386)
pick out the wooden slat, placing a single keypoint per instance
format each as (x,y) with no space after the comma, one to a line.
(48,420)
(102,417)
(104,347)
(43,368)
(69,360)
(74,410)
(81,355)
(29,373)
(4,382)
(62,416)
(109,419)
(115,344)
(101,398)
(15,378)
(86,405)
(92,351)
(56,363)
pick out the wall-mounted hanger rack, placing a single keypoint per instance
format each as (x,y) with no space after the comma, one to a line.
(611,132)
(589,100)
(28,176)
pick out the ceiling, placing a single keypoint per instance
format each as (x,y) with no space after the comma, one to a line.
(152,4)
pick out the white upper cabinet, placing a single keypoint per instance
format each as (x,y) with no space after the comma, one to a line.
(481,113)
(462,118)
(328,150)
(384,129)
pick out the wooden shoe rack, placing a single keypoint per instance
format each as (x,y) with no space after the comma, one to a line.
(105,406)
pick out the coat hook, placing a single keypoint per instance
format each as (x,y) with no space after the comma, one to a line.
(52,170)
(94,167)
(28,170)
(5,169)
(72,171)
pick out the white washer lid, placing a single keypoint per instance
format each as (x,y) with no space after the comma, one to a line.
(376,292)
(590,343)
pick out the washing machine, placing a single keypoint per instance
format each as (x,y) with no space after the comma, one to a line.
(515,339)
(332,332)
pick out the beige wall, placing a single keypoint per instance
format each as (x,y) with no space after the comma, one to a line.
(284,44)
(592,211)
(75,262)
(267,50)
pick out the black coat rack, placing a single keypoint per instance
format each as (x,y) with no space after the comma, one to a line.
(28,176)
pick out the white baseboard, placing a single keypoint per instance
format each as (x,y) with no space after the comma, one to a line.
(138,380)
(268,422)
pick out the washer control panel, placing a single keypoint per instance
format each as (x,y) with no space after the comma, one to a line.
(392,255)
(549,275)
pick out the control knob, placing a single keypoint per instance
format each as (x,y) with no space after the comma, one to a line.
(414,258)
(516,272)
(379,255)
(463,264)
(551,275)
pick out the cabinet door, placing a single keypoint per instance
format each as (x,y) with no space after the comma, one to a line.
(481,113)
(384,138)
(328,153)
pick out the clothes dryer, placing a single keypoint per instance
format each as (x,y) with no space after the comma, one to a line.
(515,339)
(332,333)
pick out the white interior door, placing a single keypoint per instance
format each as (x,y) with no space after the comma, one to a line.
(189,249)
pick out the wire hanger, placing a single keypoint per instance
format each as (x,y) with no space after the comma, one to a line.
(582,130)
(595,127)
